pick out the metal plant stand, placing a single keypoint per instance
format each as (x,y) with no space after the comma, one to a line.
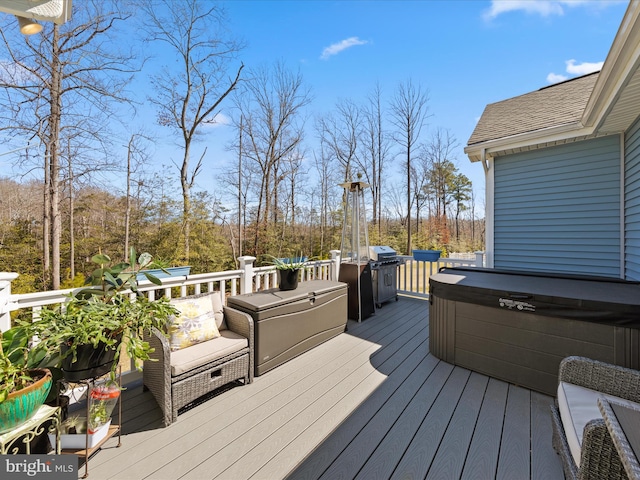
(30,430)
(86,452)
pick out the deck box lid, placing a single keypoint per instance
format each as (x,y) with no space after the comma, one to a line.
(600,299)
(276,301)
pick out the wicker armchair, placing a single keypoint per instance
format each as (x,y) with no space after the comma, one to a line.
(598,456)
(174,390)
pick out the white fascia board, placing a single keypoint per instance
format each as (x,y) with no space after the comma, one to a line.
(529,139)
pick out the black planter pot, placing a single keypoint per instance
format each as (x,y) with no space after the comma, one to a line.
(288,279)
(90,362)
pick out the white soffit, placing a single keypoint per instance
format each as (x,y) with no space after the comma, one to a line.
(625,110)
(57,11)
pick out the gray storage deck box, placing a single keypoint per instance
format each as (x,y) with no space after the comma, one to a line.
(288,323)
(518,326)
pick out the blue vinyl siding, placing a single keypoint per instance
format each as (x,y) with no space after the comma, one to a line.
(558,209)
(632,202)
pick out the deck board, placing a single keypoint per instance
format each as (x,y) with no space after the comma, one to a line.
(384,459)
(482,457)
(514,461)
(371,403)
(449,461)
(417,459)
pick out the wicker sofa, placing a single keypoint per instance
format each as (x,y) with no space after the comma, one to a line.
(177,377)
(580,435)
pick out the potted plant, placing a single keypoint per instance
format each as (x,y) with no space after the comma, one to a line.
(102,400)
(86,332)
(161,268)
(73,433)
(427,255)
(23,388)
(288,271)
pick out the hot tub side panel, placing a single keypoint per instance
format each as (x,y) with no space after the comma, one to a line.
(522,348)
(442,325)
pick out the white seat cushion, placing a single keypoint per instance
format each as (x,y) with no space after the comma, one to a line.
(201,353)
(578,406)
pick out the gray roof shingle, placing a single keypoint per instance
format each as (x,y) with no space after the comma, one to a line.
(551,106)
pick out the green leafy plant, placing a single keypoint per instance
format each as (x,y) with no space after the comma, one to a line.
(98,414)
(17,361)
(112,310)
(160,263)
(294,263)
(74,424)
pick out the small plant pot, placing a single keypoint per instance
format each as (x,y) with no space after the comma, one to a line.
(20,406)
(288,279)
(79,440)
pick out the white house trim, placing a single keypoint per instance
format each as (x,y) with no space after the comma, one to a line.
(622,206)
(618,69)
(488,165)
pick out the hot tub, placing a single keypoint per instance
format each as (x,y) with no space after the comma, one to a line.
(517,326)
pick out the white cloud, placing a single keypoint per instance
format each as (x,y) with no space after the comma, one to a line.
(556,78)
(544,8)
(336,48)
(219,120)
(12,73)
(574,68)
(583,68)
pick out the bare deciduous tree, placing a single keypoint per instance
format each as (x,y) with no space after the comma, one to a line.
(137,158)
(59,86)
(271,107)
(339,132)
(440,154)
(375,141)
(328,179)
(188,100)
(409,112)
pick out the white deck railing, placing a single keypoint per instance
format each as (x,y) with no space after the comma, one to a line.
(231,282)
(413,275)
(413,278)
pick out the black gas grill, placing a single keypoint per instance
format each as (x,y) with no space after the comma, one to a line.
(384,269)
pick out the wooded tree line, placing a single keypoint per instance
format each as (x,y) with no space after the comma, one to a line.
(66,92)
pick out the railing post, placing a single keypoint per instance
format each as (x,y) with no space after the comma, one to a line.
(246,265)
(335,265)
(479,259)
(5,297)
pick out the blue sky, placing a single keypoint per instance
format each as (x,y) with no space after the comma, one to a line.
(465,53)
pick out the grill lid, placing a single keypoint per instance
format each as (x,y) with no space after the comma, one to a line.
(381,252)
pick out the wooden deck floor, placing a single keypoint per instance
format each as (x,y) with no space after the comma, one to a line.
(372,403)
